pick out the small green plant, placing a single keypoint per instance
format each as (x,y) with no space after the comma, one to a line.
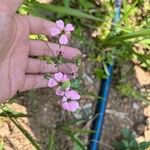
(129,91)
(1,144)
(128,142)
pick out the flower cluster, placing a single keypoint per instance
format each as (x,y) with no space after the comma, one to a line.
(62,86)
(62,31)
(61,82)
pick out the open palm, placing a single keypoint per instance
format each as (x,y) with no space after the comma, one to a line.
(19,68)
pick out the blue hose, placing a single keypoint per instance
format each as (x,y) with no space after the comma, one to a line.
(103,97)
(100,111)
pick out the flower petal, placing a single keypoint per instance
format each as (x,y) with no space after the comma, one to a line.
(69,27)
(73,95)
(65,77)
(68,88)
(54,31)
(58,76)
(65,106)
(73,106)
(60,24)
(59,92)
(52,82)
(63,39)
(64,99)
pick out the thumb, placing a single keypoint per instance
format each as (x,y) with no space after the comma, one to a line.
(9,6)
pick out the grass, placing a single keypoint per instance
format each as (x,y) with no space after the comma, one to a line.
(128,142)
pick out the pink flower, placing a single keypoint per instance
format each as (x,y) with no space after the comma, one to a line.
(69,101)
(63,39)
(61,92)
(58,78)
(52,82)
(61,28)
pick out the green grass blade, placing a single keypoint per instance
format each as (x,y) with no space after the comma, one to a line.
(145,41)
(141,33)
(128,90)
(14,115)
(118,39)
(75,139)
(51,141)
(128,11)
(26,134)
(61,10)
(39,9)
(7,112)
(106,69)
(143,58)
(1,145)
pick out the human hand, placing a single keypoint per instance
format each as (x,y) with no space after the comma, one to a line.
(19,71)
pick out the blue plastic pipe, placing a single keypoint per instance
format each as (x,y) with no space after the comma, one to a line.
(100,111)
(103,97)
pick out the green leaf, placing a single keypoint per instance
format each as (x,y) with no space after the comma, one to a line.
(76,140)
(143,58)
(60,10)
(1,145)
(75,84)
(126,133)
(127,11)
(145,41)
(100,74)
(144,145)
(67,3)
(51,143)
(76,147)
(15,115)
(118,145)
(142,32)
(23,10)
(127,36)
(106,69)
(65,85)
(127,89)
(133,143)
(125,143)
(7,112)
(86,4)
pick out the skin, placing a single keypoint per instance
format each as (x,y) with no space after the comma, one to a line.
(19,70)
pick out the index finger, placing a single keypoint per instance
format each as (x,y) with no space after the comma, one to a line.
(41,48)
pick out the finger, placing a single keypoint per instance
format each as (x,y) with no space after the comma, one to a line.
(41,48)
(37,66)
(10,7)
(34,82)
(39,25)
